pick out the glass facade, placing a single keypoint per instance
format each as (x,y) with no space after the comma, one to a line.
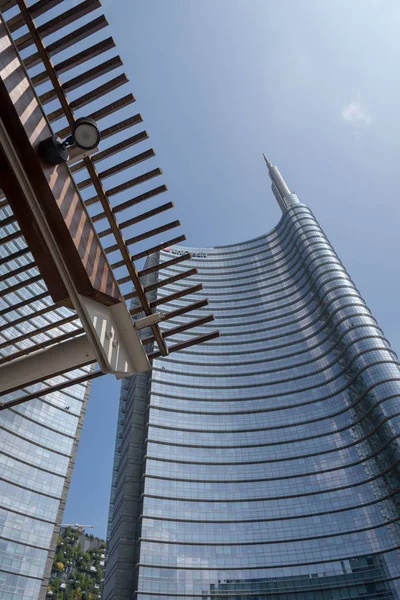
(263,464)
(38,439)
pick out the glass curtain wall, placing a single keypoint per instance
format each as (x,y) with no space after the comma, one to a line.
(38,440)
(269,458)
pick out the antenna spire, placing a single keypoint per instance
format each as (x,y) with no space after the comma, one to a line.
(267,162)
(280,188)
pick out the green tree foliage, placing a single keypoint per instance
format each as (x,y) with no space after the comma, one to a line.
(78,594)
(55,584)
(80,571)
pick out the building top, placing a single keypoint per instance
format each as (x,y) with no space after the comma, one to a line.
(285,198)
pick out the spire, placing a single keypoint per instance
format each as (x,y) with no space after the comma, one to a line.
(267,162)
(279,187)
(277,178)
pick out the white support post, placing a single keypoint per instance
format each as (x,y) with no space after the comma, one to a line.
(121,349)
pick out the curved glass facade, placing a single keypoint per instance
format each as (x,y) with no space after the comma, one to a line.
(263,464)
(38,440)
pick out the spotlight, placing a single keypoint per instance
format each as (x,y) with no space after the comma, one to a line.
(85,135)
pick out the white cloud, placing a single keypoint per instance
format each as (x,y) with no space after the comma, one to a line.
(354,112)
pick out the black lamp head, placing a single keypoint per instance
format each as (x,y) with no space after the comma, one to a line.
(85,135)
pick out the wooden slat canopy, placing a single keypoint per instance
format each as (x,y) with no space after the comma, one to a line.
(53,69)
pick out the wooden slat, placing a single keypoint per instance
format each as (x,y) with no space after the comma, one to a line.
(181,328)
(41,346)
(139,218)
(51,389)
(38,331)
(85,55)
(128,184)
(7,221)
(35,36)
(116,105)
(14,255)
(127,163)
(40,78)
(177,240)
(7,4)
(190,325)
(125,253)
(18,271)
(162,265)
(32,315)
(98,71)
(112,150)
(59,22)
(68,40)
(182,345)
(175,296)
(133,202)
(27,281)
(121,126)
(60,371)
(135,160)
(125,279)
(24,303)
(169,280)
(91,96)
(145,235)
(36,10)
(108,110)
(163,282)
(83,78)
(100,91)
(10,237)
(76,59)
(135,181)
(185,309)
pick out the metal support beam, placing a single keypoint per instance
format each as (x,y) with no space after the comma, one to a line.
(120,345)
(46,363)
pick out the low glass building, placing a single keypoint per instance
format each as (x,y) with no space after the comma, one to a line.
(263,464)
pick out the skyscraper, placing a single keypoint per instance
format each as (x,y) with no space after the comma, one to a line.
(264,464)
(38,440)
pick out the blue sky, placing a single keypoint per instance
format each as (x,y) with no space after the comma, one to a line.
(314,85)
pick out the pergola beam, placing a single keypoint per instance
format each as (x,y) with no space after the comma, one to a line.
(45,364)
